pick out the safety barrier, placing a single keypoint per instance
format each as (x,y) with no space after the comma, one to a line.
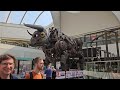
(69,74)
(102,75)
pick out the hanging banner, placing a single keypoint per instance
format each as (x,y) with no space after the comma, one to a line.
(69,74)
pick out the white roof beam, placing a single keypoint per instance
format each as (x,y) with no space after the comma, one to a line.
(56,19)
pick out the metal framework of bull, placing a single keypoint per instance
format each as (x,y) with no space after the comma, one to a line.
(57,46)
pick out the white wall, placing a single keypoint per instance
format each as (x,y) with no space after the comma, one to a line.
(14,31)
(21,51)
(17,31)
(87,21)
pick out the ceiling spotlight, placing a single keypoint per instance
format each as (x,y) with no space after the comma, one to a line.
(73,11)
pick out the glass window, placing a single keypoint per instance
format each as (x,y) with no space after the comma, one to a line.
(15,17)
(3,15)
(30,17)
(45,19)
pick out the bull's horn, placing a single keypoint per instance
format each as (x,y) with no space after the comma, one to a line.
(29,32)
(39,28)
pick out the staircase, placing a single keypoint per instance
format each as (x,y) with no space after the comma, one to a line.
(100,60)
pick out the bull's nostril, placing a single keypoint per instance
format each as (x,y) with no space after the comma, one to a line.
(30,44)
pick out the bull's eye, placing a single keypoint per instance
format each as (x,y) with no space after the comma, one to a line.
(42,34)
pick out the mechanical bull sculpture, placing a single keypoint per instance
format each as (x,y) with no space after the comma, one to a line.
(57,46)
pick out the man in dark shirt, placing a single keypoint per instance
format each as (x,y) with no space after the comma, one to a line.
(53,72)
(48,72)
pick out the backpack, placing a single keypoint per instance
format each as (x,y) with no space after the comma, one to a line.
(31,75)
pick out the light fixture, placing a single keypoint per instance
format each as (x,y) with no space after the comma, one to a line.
(73,11)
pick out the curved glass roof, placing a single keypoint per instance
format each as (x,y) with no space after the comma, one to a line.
(43,18)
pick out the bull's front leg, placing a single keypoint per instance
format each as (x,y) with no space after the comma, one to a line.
(81,61)
(63,61)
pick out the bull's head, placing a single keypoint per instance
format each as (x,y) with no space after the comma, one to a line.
(39,37)
(53,34)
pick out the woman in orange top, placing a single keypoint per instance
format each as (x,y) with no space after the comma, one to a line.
(37,71)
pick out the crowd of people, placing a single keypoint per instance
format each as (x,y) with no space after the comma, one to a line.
(7,65)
